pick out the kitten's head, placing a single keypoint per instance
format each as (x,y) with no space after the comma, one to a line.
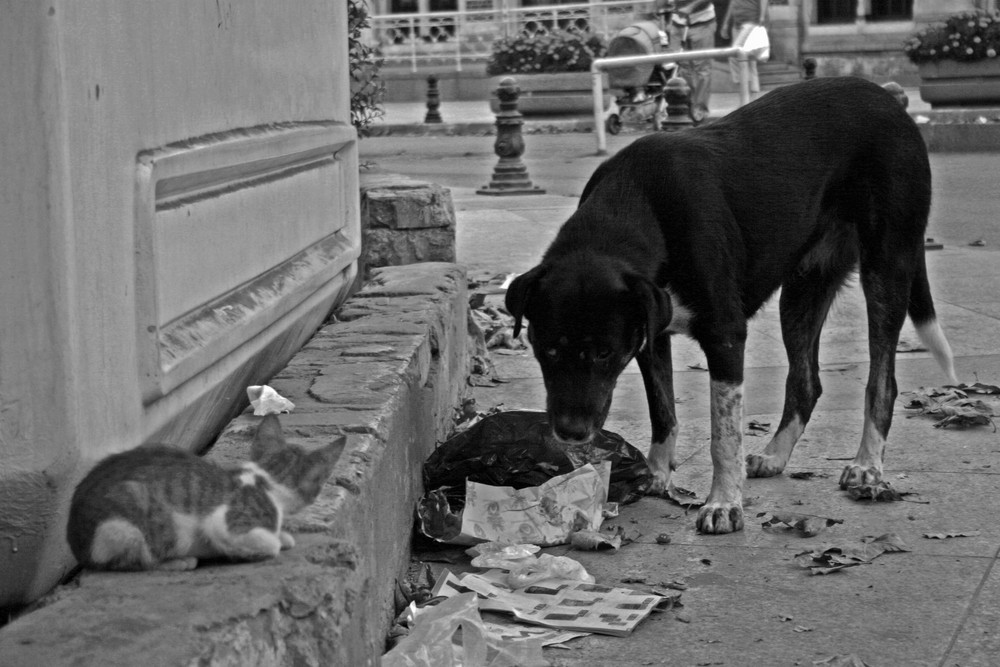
(303,472)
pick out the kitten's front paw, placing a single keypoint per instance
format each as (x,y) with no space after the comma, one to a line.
(178,564)
(287,541)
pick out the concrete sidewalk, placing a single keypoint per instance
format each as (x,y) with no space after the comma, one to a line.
(747,602)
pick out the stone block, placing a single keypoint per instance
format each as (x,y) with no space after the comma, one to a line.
(405,221)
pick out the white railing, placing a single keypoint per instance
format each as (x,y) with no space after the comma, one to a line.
(742,54)
(455,39)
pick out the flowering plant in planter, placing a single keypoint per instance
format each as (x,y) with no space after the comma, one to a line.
(966,37)
(556,51)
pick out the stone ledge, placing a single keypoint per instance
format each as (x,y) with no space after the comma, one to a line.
(387,375)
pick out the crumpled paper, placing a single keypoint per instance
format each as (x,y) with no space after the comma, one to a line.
(266,401)
(544,515)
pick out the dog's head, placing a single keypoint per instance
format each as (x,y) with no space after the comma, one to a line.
(587,318)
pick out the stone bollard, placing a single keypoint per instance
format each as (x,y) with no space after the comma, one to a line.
(809,65)
(433,101)
(510,176)
(897,92)
(677,94)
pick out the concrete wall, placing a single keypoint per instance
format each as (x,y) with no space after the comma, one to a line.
(178,195)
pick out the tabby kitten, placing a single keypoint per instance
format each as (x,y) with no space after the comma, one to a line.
(157,507)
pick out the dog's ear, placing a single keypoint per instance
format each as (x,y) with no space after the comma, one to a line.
(653,302)
(518,293)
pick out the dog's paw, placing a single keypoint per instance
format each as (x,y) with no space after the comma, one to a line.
(857,475)
(764,465)
(718,518)
(660,484)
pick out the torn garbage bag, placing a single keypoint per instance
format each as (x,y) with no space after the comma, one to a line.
(553,489)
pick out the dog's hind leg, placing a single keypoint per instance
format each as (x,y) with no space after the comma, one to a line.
(886,281)
(656,366)
(805,301)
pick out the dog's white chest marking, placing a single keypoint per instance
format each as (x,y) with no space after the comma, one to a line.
(680,320)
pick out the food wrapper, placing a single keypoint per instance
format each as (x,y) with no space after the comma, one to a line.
(266,401)
(544,515)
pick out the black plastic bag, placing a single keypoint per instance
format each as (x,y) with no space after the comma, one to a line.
(517,449)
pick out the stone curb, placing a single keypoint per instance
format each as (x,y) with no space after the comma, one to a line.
(388,374)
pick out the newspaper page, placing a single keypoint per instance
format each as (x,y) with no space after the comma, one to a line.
(556,603)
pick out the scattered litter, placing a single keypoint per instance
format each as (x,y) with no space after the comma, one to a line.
(978,243)
(842,556)
(633,578)
(697,367)
(802,628)
(755,427)
(505,478)
(805,524)
(555,603)
(683,497)
(807,474)
(952,404)
(546,566)
(945,536)
(266,401)
(546,514)
(593,540)
(674,585)
(434,639)
(663,538)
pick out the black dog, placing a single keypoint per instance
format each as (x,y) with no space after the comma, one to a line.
(691,232)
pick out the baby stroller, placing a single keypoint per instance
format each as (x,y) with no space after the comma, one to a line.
(642,86)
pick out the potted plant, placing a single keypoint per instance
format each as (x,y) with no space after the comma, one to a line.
(552,70)
(959,60)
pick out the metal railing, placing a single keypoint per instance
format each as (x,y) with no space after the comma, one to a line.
(457,39)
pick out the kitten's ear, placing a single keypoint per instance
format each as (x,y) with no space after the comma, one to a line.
(268,438)
(329,455)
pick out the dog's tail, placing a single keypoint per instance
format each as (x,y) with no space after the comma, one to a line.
(924,317)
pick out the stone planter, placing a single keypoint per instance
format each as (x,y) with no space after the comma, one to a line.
(949,83)
(551,94)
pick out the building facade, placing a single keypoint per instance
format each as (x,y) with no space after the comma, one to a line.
(845,37)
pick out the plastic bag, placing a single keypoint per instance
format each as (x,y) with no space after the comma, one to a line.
(516,448)
(435,640)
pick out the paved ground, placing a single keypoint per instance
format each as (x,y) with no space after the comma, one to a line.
(747,602)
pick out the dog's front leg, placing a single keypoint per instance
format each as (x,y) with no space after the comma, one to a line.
(656,366)
(723,509)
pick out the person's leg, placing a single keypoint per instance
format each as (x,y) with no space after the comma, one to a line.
(701,37)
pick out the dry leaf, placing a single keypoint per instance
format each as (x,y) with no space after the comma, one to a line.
(945,536)
(807,525)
